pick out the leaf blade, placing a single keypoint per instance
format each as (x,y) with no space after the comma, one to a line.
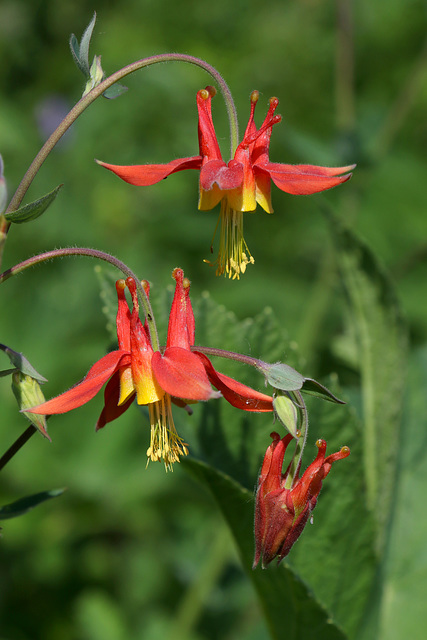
(33,210)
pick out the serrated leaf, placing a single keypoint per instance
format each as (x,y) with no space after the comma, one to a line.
(34,209)
(381,336)
(22,506)
(314,388)
(290,610)
(84,45)
(20,362)
(401,610)
(115,91)
(336,554)
(335,557)
(107,279)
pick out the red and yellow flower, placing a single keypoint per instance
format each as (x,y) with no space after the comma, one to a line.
(242,183)
(155,378)
(283,504)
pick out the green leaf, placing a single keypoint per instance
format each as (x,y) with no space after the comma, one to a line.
(19,507)
(115,91)
(290,609)
(75,52)
(34,209)
(84,46)
(107,279)
(20,362)
(7,372)
(400,597)
(314,388)
(335,557)
(381,345)
(336,554)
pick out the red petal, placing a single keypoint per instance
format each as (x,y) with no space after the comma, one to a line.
(111,409)
(181,317)
(95,379)
(144,175)
(208,143)
(304,179)
(181,374)
(236,393)
(217,172)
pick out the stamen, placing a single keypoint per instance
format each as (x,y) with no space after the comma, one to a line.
(234,254)
(165,443)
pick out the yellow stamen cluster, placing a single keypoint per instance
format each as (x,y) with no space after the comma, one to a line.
(234,255)
(165,442)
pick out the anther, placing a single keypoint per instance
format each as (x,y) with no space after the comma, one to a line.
(120,284)
(177,274)
(254,96)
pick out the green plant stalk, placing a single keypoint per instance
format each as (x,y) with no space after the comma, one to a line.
(97,91)
(19,442)
(92,253)
(296,397)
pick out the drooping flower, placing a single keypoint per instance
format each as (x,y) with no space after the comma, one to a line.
(155,378)
(242,183)
(283,505)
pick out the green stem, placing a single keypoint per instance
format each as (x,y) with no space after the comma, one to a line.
(300,443)
(231,355)
(98,91)
(92,253)
(19,442)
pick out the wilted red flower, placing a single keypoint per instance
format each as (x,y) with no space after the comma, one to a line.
(283,505)
(154,378)
(240,184)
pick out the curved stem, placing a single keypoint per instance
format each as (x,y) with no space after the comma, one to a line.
(99,90)
(231,355)
(92,253)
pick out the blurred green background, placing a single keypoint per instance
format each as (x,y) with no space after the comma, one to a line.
(116,557)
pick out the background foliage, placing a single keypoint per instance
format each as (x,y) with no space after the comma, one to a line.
(134,553)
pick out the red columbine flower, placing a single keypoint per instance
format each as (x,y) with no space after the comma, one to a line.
(283,505)
(154,378)
(240,184)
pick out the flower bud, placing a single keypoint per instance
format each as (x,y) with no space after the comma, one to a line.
(280,513)
(28,393)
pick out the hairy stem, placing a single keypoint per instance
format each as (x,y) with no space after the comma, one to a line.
(98,91)
(92,253)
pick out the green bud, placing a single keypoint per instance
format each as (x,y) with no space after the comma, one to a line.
(286,411)
(282,376)
(28,393)
(96,75)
